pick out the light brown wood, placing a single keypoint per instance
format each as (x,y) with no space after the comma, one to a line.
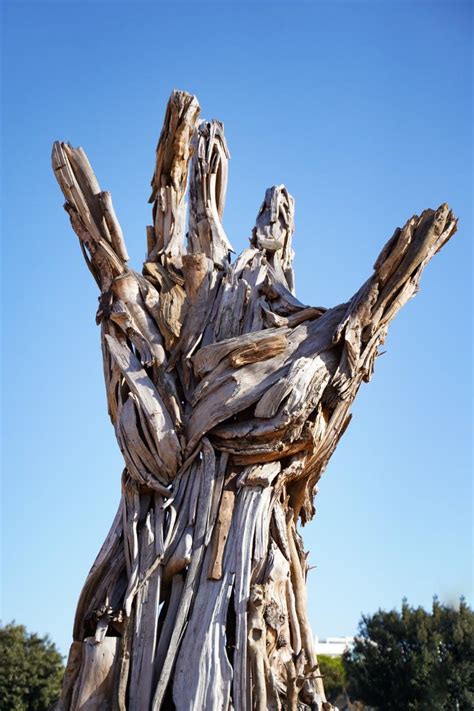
(228,397)
(221,531)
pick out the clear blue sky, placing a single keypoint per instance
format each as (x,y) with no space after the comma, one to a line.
(364,110)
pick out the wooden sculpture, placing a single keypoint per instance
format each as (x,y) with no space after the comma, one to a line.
(228,397)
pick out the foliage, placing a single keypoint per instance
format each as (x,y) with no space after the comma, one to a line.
(334,675)
(414,660)
(31,670)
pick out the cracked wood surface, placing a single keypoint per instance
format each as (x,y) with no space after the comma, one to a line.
(228,397)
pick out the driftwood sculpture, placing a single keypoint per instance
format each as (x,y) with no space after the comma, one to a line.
(228,397)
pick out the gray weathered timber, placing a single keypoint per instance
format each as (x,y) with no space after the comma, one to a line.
(228,397)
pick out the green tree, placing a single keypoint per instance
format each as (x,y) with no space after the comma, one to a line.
(414,660)
(334,675)
(31,670)
(454,634)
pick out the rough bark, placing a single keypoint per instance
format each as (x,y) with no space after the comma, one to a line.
(228,397)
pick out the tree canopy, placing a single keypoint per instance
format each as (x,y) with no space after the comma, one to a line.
(334,675)
(414,659)
(31,670)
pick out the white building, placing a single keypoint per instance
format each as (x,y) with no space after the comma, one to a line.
(332,646)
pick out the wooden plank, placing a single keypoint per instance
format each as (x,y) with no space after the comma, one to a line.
(221,531)
(161,426)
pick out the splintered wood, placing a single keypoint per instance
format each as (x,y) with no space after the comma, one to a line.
(228,397)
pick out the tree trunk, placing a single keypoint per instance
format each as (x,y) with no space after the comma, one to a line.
(228,397)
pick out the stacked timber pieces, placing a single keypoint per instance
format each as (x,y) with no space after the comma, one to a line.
(228,397)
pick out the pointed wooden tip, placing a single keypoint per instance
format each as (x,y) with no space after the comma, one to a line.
(182,97)
(172,151)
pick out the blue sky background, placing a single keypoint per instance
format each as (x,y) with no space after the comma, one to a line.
(364,110)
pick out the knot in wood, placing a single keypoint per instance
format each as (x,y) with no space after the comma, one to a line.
(273,615)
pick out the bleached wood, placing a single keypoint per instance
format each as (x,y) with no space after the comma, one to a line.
(115,231)
(171,172)
(95,683)
(228,397)
(273,233)
(208,186)
(166,449)
(259,343)
(191,576)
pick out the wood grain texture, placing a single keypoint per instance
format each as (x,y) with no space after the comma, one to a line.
(228,397)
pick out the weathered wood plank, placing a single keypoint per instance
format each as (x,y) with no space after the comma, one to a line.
(160,424)
(169,180)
